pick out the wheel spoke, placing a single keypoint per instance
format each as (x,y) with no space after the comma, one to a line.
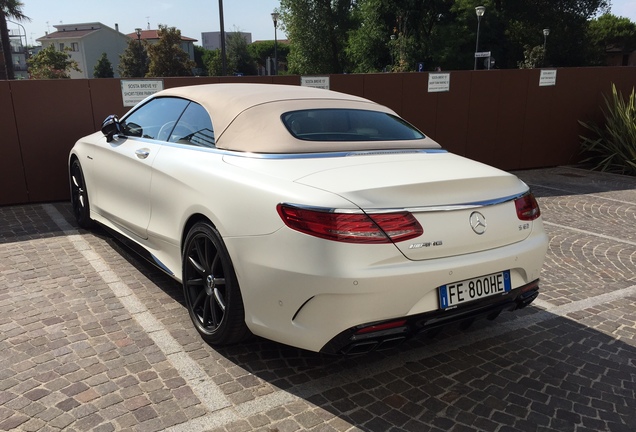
(200,297)
(195,282)
(218,297)
(196,266)
(206,312)
(216,319)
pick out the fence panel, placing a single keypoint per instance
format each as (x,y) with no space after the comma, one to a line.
(500,117)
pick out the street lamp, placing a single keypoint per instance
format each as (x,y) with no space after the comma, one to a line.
(222,28)
(479,10)
(275,16)
(141,54)
(546,32)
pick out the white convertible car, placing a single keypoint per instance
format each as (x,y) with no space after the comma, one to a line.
(309,217)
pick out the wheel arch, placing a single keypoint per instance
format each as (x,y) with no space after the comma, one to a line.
(190,222)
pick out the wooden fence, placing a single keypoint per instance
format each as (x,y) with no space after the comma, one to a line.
(500,117)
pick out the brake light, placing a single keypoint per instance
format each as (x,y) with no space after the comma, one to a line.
(351,227)
(527,207)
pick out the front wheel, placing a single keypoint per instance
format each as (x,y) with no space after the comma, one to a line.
(79,196)
(210,287)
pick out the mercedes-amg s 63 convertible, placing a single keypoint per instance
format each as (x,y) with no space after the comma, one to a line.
(309,217)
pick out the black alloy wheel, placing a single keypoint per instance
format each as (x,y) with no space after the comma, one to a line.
(79,196)
(211,289)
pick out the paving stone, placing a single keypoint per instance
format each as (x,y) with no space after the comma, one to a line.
(81,360)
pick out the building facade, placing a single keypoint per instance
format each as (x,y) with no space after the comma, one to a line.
(19,54)
(85,43)
(212,40)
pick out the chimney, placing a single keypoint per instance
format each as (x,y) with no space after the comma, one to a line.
(117,27)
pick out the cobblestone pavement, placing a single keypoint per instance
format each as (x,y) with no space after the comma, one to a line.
(92,338)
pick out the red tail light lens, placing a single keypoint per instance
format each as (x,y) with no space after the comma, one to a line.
(351,227)
(527,207)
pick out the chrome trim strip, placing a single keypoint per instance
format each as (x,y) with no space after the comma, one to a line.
(453,207)
(161,265)
(320,155)
(427,209)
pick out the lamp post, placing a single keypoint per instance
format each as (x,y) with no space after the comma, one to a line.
(546,32)
(275,16)
(222,27)
(141,54)
(479,10)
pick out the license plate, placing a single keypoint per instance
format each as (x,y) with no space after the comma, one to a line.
(461,292)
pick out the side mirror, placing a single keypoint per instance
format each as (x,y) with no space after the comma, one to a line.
(111,127)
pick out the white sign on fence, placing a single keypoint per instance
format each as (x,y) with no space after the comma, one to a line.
(321,82)
(548,77)
(438,82)
(134,91)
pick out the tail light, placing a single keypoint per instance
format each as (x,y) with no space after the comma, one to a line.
(351,227)
(527,207)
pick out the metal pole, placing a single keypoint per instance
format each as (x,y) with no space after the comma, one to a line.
(141,53)
(223,58)
(477,43)
(275,50)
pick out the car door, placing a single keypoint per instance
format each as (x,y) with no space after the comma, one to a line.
(123,167)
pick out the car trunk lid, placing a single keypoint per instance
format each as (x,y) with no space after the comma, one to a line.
(462,205)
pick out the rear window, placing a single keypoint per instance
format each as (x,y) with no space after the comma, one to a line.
(348,125)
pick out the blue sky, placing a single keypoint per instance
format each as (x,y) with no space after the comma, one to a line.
(192,17)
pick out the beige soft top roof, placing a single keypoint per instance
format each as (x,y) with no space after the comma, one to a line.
(247,117)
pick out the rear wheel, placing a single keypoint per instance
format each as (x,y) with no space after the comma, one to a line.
(79,196)
(211,289)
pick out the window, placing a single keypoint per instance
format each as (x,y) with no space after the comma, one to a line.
(74,46)
(348,125)
(61,46)
(155,119)
(194,127)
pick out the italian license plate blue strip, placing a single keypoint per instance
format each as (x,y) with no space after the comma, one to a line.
(461,292)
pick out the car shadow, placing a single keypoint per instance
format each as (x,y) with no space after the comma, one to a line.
(527,370)
(555,374)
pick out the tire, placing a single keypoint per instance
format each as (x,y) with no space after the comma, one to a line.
(79,196)
(210,288)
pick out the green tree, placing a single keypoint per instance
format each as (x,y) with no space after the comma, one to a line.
(103,68)
(239,60)
(167,58)
(133,62)
(508,27)
(9,9)
(213,62)
(394,35)
(317,30)
(609,32)
(199,54)
(533,57)
(52,64)
(262,50)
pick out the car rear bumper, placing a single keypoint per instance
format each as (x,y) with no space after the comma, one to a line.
(358,340)
(309,299)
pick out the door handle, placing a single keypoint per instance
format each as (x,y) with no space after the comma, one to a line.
(142,153)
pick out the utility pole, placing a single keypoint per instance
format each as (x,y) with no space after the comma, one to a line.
(223,57)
